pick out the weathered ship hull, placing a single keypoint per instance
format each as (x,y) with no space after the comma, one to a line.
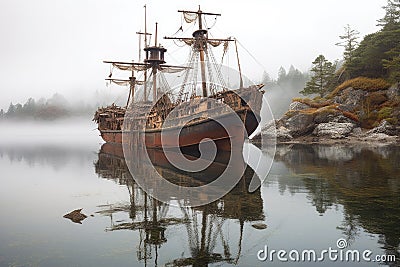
(231,134)
(192,135)
(111,136)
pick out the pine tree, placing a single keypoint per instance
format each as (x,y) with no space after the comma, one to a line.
(281,74)
(266,80)
(322,73)
(393,64)
(392,15)
(11,110)
(349,42)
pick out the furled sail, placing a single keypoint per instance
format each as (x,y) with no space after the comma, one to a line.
(171,69)
(131,67)
(189,17)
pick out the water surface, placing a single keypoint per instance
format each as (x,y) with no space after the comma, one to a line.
(313,196)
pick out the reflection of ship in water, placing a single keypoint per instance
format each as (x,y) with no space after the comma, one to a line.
(208,241)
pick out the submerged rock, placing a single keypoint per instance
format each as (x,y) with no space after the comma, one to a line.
(334,130)
(76,216)
(259,226)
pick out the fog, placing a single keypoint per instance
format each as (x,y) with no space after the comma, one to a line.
(58,46)
(63,133)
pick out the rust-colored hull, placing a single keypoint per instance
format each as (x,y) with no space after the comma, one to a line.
(110,136)
(227,133)
(192,135)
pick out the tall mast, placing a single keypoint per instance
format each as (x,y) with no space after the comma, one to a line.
(155,58)
(140,59)
(202,46)
(240,69)
(201,39)
(154,68)
(145,45)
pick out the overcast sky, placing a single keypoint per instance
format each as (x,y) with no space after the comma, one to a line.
(50,46)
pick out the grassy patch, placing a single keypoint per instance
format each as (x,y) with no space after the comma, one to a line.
(362,83)
(315,103)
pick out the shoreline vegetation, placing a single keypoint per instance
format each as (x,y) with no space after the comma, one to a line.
(354,100)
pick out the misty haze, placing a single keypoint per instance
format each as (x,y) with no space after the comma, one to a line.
(297,104)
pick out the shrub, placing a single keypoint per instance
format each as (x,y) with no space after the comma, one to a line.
(393,121)
(376,98)
(351,116)
(385,112)
(316,103)
(363,83)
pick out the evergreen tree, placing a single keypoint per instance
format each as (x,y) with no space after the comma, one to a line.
(349,42)
(29,107)
(281,75)
(266,80)
(322,73)
(11,110)
(393,64)
(392,14)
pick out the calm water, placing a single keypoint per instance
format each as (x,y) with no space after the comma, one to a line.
(313,196)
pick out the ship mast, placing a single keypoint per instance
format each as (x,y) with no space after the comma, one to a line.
(145,33)
(200,38)
(155,58)
(145,45)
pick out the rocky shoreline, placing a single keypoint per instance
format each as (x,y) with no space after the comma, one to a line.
(338,120)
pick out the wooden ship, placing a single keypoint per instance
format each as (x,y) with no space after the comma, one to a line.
(192,116)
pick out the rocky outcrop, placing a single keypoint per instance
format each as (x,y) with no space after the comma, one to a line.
(393,91)
(384,128)
(334,130)
(300,124)
(349,114)
(295,105)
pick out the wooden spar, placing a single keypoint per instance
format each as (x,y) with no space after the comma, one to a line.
(199,12)
(117,80)
(203,71)
(145,26)
(145,45)
(145,33)
(127,63)
(155,39)
(154,68)
(201,49)
(189,39)
(132,81)
(140,43)
(240,70)
(200,36)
